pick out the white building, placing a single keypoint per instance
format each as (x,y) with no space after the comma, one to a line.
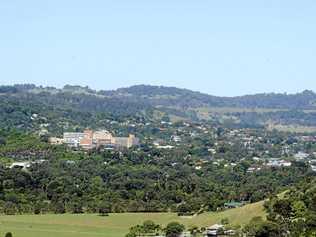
(73,139)
(301,155)
(214,230)
(273,162)
(23,165)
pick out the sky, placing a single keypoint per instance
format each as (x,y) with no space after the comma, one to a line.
(220,47)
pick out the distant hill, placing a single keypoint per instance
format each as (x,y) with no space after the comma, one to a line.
(160,95)
(80,105)
(167,96)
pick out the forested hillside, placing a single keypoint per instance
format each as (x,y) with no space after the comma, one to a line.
(292,214)
(76,107)
(197,153)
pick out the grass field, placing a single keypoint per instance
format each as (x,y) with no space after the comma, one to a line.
(292,128)
(115,225)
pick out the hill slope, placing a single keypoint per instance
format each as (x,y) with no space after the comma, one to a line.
(116,225)
(76,106)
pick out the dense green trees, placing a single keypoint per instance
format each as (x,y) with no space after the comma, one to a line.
(296,211)
(174,229)
(260,228)
(147,228)
(292,214)
(136,180)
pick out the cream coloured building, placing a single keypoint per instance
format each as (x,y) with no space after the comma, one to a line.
(90,139)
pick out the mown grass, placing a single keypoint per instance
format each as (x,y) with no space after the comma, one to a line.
(115,225)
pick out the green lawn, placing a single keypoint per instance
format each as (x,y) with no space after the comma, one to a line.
(116,225)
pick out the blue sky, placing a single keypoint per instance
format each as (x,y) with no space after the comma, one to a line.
(223,47)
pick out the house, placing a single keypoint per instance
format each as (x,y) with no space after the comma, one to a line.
(275,162)
(214,230)
(176,138)
(165,147)
(230,232)
(23,165)
(212,150)
(185,234)
(256,158)
(301,155)
(251,169)
(233,204)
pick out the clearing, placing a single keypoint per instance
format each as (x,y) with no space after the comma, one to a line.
(115,225)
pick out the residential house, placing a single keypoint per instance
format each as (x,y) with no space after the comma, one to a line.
(275,162)
(301,155)
(233,204)
(23,165)
(214,230)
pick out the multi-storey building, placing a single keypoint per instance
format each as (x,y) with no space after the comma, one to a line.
(90,139)
(73,139)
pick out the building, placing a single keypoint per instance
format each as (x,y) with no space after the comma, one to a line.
(214,230)
(165,147)
(90,139)
(86,143)
(56,141)
(73,139)
(301,155)
(185,234)
(233,204)
(253,169)
(103,138)
(23,165)
(176,138)
(126,142)
(218,230)
(275,162)
(88,133)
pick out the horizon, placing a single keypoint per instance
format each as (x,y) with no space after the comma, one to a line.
(220,48)
(150,85)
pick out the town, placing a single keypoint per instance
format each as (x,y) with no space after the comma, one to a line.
(192,170)
(157,118)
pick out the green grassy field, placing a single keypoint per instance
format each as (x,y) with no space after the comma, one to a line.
(294,128)
(115,225)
